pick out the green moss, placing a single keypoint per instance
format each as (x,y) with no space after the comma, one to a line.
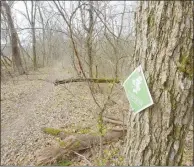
(177,131)
(77,144)
(55,132)
(111,156)
(84,130)
(52,131)
(106,80)
(101,127)
(62,143)
(151,20)
(63,163)
(186,66)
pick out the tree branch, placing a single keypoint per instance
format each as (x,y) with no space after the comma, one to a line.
(95,80)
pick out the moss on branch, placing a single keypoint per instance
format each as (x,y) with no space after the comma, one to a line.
(95,80)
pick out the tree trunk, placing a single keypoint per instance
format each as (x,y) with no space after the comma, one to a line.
(89,40)
(156,136)
(43,36)
(14,41)
(34,46)
(32,22)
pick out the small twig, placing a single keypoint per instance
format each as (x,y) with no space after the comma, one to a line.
(41,80)
(113,121)
(119,129)
(113,118)
(45,80)
(69,91)
(89,163)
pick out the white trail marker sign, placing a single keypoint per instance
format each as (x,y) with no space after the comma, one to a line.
(137,91)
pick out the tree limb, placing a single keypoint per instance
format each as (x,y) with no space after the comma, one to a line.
(95,80)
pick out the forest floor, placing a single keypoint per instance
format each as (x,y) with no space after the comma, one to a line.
(33,102)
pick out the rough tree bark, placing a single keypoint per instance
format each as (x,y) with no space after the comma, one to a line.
(156,136)
(14,40)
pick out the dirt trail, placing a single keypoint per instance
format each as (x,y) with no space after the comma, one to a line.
(31,104)
(25,108)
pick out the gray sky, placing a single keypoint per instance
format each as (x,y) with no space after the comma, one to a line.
(21,21)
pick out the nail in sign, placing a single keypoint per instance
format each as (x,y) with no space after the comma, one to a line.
(137,91)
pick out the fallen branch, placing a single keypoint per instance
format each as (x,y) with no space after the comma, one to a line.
(89,163)
(95,80)
(75,143)
(113,121)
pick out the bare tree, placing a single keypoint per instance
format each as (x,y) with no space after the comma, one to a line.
(14,39)
(116,39)
(68,21)
(31,16)
(89,39)
(43,33)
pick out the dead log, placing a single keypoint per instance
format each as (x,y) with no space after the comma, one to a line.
(75,142)
(50,155)
(95,80)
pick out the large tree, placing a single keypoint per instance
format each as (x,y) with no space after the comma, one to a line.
(163,47)
(16,58)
